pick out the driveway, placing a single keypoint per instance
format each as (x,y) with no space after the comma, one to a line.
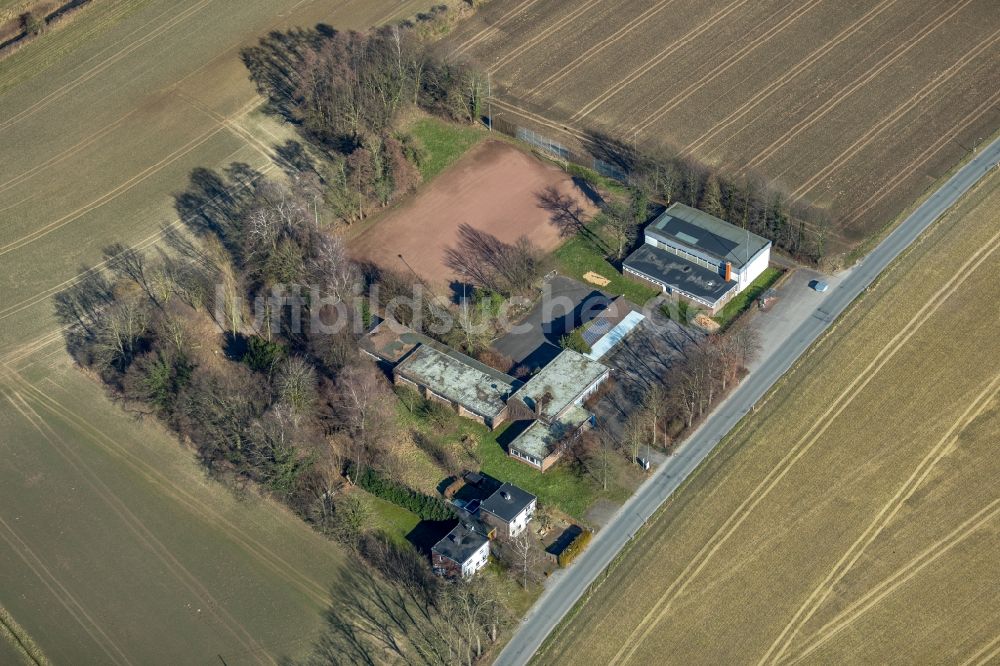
(795,301)
(565,304)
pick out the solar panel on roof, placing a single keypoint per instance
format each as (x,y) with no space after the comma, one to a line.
(695,236)
(596,329)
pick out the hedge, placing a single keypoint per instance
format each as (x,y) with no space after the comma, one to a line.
(424,506)
(574,548)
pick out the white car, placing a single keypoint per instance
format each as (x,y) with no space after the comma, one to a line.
(819,285)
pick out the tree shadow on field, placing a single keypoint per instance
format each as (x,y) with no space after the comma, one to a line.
(614,151)
(213,204)
(293,158)
(273,64)
(372,621)
(567,214)
(588,191)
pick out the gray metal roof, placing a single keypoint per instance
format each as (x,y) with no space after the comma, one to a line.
(506,502)
(696,229)
(539,439)
(461,543)
(455,376)
(679,273)
(562,381)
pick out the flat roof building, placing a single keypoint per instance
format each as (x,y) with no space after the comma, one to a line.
(697,256)
(555,396)
(474,389)
(566,381)
(541,444)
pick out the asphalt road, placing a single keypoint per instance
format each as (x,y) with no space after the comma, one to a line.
(567,586)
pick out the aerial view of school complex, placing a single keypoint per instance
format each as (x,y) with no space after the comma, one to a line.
(473,332)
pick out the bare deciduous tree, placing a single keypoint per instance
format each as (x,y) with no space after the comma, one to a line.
(331,267)
(525,556)
(485,260)
(365,406)
(746,341)
(295,382)
(122,327)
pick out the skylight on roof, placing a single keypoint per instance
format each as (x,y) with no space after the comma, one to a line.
(687,238)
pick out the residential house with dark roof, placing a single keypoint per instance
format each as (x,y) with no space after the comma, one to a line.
(509,509)
(698,257)
(462,552)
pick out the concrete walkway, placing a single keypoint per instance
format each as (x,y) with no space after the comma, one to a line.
(805,320)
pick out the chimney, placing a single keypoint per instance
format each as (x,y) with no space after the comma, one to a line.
(729,271)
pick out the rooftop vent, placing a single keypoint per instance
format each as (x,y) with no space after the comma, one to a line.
(504,494)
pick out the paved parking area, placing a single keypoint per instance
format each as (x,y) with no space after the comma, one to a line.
(566,303)
(795,302)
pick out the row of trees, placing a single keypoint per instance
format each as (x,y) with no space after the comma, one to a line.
(664,408)
(395,610)
(264,393)
(741,200)
(269,404)
(346,91)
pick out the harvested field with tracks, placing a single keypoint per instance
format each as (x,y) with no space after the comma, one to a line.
(855,518)
(853,107)
(493,188)
(109,529)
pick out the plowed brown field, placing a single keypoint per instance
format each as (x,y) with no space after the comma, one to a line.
(856,517)
(851,106)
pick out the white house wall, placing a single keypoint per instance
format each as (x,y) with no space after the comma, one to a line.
(756,266)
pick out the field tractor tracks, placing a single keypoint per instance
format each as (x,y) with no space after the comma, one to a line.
(274,562)
(112,194)
(141,532)
(844,93)
(985,654)
(60,593)
(890,119)
(898,579)
(741,111)
(489,31)
(884,517)
(800,448)
(901,175)
(528,43)
(720,69)
(682,41)
(104,64)
(576,62)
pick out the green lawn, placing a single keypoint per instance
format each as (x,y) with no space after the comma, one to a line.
(443,143)
(746,298)
(394,520)
(581,254)
(560,486)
